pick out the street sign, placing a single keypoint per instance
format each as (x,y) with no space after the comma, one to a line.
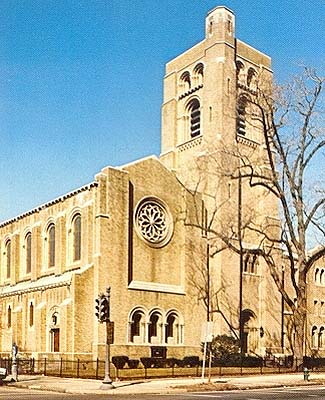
(110,332)
(207,332)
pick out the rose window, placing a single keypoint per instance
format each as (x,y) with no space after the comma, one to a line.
(153,222)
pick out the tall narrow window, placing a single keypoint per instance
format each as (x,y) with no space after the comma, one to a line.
(31,314)
(51,246)
(76,237)
(8,258)
(195,117)
(9,317)
(28,249)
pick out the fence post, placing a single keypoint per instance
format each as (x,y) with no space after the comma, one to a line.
(261,366)
(45,366)
(145,372)
(241,363)
(97,366)
(78,366)
(61,367)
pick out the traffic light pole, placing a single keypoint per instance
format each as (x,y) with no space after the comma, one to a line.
(107,382)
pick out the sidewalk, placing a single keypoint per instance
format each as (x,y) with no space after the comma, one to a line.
(164,386)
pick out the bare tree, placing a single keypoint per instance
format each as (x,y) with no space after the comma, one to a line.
(286,176)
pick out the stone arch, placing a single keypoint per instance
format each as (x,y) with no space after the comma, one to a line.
(53,329)
(250,331)
(174,327)
(155,326)
(137,322)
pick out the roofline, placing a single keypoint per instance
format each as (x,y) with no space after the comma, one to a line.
(49,203)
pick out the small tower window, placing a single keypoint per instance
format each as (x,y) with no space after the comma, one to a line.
(198,73)
(251,78)
(195,117)
(240,70)
(185,81)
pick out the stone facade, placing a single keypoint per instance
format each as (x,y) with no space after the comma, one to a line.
(134,230)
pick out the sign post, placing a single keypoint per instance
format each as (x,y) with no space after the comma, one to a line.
(206,337)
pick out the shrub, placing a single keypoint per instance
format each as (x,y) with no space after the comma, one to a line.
(133,364)
(223,347)
(171,362)
(148,362)
(119,361)
(191,361)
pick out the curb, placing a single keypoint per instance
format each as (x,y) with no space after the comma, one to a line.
(168,390)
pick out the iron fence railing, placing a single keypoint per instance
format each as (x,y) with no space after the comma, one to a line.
(96,369)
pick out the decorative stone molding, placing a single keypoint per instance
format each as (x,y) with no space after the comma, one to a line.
(191,91)
(191,143)
(246,141)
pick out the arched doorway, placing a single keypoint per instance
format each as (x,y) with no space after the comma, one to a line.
(249,331)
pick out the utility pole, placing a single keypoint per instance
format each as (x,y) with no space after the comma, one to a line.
(241,322)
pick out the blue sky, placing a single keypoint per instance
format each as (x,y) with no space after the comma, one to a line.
(81,80)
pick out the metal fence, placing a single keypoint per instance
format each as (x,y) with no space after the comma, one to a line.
(96,369)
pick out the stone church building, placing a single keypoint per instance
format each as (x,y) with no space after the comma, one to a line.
(130,230)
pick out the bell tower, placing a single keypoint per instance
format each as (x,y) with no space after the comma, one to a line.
(199,96)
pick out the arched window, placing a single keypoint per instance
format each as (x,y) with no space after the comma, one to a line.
(136,321)
(194,113)
(241,115)
(173,329)
(9,317)
(314,340)
(8,258)
(154,328)
(321,277)
(31,314)
(51,245)
(251,78)
(198,73)
(240,70)
(28,252)
(316,275)
(76,228)
(321,337)
(185,81)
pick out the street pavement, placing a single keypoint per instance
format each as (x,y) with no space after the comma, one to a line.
(163,386)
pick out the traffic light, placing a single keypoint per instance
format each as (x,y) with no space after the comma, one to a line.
(102,308)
